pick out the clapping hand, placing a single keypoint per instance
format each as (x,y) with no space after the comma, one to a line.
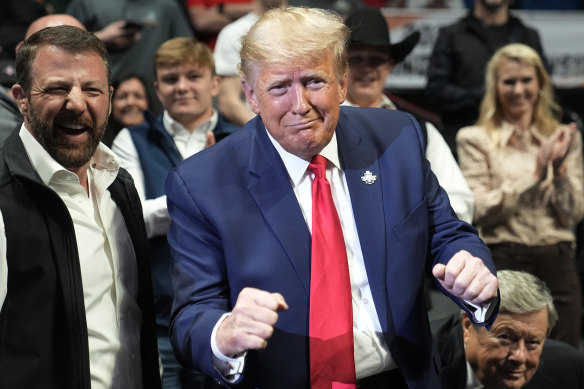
(555,151)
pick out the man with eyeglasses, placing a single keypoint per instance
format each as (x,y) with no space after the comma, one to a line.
(371,59)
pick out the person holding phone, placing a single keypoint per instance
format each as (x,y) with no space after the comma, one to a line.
(132,30)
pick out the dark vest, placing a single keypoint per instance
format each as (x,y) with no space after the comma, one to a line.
(43,331)
(158,156)
(158,153)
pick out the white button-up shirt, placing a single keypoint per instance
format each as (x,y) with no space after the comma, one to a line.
(107,261)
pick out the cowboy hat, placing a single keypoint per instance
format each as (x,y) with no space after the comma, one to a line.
(369,27)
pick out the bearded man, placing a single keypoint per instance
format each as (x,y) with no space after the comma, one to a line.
(78,310)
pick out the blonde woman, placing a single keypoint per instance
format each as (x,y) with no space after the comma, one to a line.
(525,170)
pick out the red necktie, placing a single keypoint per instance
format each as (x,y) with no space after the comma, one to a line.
(332,362)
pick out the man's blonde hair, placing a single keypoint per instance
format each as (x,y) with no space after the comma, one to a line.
(295,35)
(184,50)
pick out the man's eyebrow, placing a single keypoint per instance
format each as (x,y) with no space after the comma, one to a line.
(315,73)
(197,71)
(277,80)
(95,84)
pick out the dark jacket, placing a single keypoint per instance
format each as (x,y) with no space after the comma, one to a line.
(456,70)
(43,330)
(560,366)
(10,116)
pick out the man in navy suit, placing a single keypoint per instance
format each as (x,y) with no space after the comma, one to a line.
(241,225)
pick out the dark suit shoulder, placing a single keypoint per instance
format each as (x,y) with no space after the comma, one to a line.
(447,333)
(375,123)
(561,366)
(372,115)
(377,129)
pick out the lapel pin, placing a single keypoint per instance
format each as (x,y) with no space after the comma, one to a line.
(368,178)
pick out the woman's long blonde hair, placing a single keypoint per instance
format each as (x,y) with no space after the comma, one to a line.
(546,112)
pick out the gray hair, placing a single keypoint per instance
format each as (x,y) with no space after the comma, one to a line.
(522,292)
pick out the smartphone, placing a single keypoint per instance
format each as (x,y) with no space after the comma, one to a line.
(131,25)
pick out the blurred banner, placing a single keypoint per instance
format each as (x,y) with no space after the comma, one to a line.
(562,35)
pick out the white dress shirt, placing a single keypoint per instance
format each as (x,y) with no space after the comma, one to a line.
(107,261)
(472,381)
(187,143)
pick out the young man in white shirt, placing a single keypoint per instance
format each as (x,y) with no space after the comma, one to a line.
(185,84)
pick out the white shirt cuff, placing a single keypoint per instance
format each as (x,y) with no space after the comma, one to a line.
(480,312)
(229,368)
(156,216)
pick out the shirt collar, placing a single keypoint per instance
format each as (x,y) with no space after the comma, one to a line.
(384,103)
(297,166)
(174,128)
(103,159)
(472,381)
(508,129)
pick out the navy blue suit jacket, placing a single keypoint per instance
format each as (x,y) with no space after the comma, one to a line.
(236,223)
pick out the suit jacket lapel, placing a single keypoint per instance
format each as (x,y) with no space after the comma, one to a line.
(273,194)
(366,200)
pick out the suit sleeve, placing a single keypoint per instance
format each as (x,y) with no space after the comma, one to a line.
(449,235)
(198,277)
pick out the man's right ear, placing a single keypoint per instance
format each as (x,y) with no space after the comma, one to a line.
(466,327)
(251,96)
(20,99)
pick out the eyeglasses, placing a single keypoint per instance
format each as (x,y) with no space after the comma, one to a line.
(369,60)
